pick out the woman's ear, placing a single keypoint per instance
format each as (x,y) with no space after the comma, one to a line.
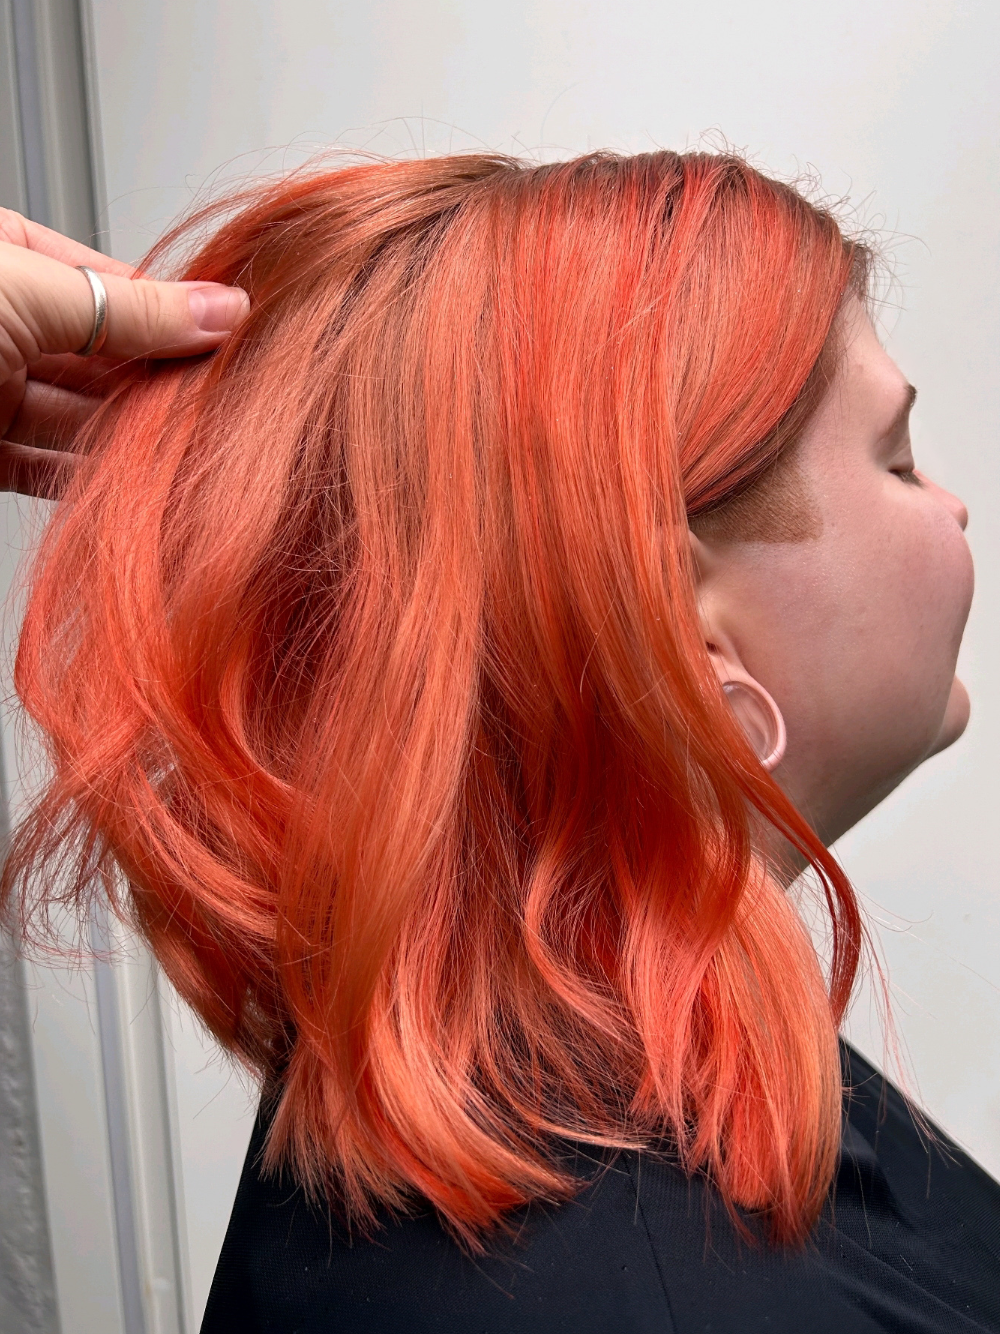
(755,710)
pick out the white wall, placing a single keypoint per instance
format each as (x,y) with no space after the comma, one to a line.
(894,102)
(215,1110)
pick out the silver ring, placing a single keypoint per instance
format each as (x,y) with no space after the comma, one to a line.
(100,329)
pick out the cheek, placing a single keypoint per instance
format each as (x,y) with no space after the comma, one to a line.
(922,590)
(858,638)
(903,624)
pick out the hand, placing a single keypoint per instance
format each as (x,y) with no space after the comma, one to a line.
(47,315)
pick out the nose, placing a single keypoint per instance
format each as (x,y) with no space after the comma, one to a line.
(958,509)
(952,504)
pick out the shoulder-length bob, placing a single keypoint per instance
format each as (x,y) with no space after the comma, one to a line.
(368,657)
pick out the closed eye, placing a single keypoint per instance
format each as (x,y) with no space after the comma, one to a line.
(908,475)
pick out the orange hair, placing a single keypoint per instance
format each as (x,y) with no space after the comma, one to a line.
(368,651)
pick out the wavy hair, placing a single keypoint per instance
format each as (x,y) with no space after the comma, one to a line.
(368,658)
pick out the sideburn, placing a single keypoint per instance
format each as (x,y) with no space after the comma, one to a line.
(777,507)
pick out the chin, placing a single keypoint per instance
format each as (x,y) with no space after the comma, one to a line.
(956,718)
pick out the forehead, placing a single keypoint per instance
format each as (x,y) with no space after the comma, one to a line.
(860,422)
(869,388)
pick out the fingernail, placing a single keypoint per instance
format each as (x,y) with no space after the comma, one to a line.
(217,309)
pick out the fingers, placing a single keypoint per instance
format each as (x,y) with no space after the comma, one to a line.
(34,472)
(11,395)
(47,308)
(49,417)
(87,375)
(21,231)
(169,319)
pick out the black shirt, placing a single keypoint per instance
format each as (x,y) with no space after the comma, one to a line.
(909,1242)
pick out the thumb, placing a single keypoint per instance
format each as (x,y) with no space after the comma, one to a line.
(47,307)
(147,318)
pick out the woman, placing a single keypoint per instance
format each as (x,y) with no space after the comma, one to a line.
(450,677)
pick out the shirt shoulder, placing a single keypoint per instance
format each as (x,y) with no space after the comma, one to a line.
(585,1266)
(909,1240)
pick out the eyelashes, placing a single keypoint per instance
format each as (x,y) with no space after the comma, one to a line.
(907,475)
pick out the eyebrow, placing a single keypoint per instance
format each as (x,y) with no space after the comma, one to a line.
(903,413)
